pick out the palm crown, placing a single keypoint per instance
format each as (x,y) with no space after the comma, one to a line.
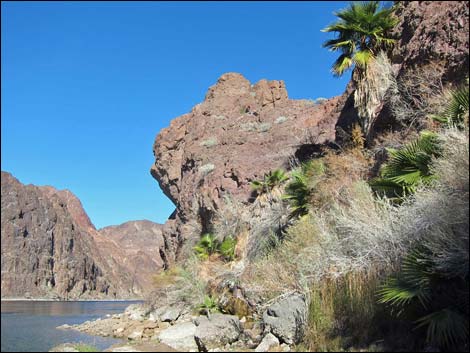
(361,30)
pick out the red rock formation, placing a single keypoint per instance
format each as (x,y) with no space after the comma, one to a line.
(238,133)
(51,249)
(433,31)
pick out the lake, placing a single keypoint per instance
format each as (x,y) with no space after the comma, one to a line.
(30,326)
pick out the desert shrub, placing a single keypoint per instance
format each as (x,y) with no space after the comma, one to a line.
(280,120)
(268,219)
(415,95)
(263,127)
(206,168)
(255,127)
(408,167)
(209,142)
(232,218)
(357,139)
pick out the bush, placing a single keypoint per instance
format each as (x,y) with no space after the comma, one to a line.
(415,95)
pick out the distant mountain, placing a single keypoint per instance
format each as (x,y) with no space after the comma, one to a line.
(51,249)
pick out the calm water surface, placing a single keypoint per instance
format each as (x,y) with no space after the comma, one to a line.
(30,326)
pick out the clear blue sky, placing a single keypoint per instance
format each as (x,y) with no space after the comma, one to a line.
(86,86)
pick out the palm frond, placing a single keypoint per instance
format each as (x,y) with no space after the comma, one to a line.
(446,327)
(409,166)
(362,28)
(457,108)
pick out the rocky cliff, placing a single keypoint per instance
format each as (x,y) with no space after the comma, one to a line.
(51,249)
(242,131)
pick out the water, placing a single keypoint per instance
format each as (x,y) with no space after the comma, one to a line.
(30,326)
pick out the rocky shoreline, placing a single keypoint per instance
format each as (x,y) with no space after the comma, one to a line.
(175,328)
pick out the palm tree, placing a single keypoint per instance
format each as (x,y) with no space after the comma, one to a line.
(206,246)
(408,167)
(361,31)
(300,189)
(271,180)
(455,112)
(437,299)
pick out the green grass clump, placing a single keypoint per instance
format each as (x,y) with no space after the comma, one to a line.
(86,348)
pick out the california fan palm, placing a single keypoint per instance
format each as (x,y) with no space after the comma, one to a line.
(361,32)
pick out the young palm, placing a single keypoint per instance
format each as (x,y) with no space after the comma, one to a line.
(408,167)
(271,180)
(362,30)
(438,300)
(455,112)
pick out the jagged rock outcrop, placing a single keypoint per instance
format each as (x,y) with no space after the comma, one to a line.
(433,31)
(238,133)
(51,249)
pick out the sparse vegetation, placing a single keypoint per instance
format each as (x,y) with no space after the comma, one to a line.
(86,348)
(341,255)
(209,142)
(206,168)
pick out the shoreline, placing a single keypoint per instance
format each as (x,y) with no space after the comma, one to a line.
(68,300)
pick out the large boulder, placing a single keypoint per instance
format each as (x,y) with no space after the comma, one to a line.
(216,331)
(269,341)
(180,337)
(287,318)
(137,312)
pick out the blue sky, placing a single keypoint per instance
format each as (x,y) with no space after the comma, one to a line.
(86,86)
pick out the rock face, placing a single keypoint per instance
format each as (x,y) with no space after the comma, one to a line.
(140,243)
(433,31)
(51,249)
(238,133)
